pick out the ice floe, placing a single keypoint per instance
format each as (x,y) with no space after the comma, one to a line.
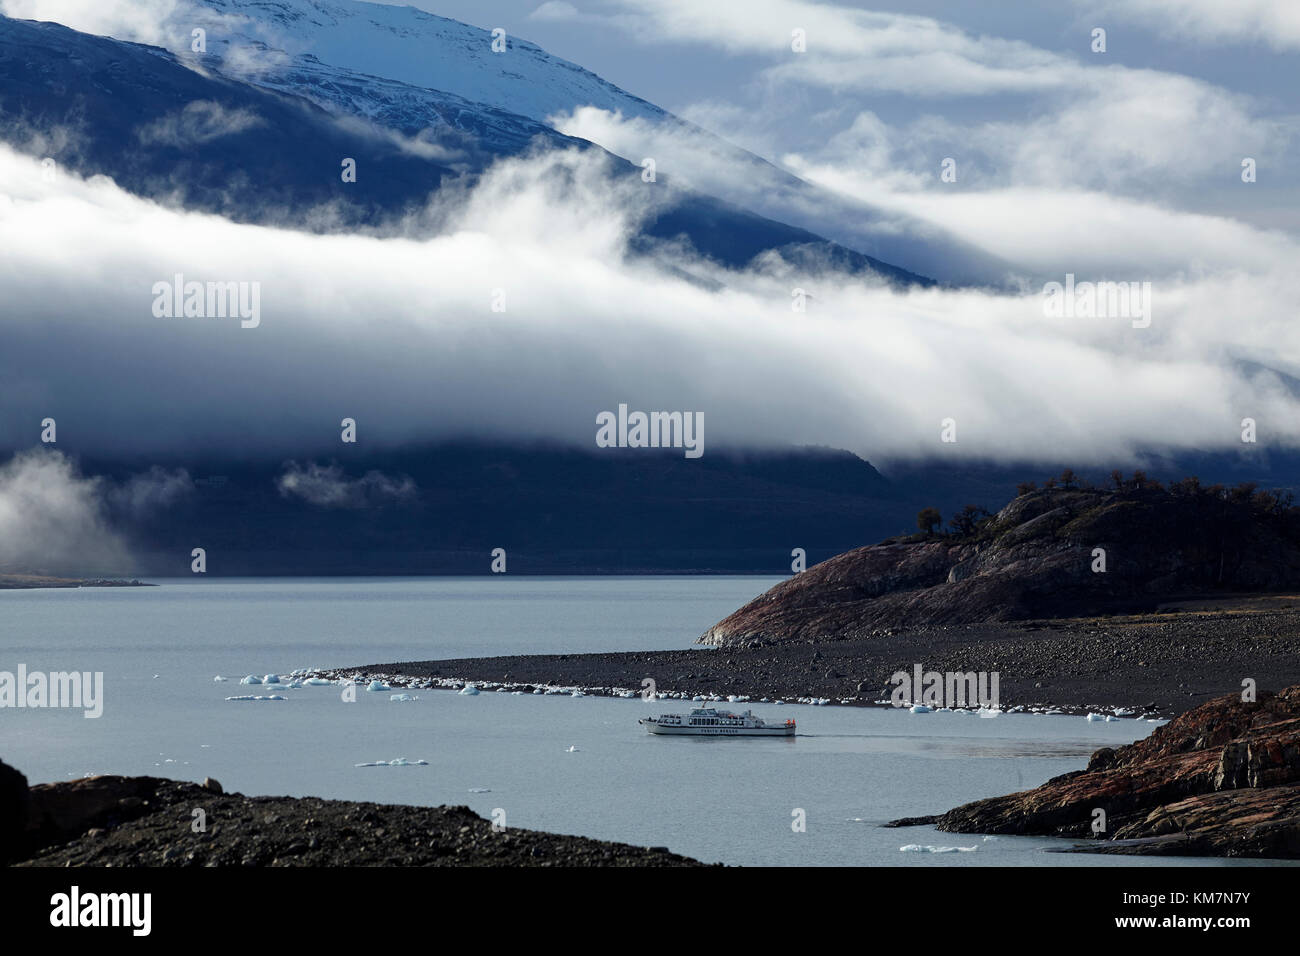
(479,790)
(251,679)
(919,709)
(400,697)
(469,690)
(395,762)
(378,687)
(918,848)
(219,679)
(258,697)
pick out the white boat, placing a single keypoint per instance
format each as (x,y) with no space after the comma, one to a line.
(711,722)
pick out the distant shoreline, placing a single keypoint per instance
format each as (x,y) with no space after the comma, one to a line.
(26,582)
(1148,665)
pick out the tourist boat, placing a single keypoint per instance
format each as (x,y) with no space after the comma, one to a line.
(711,722)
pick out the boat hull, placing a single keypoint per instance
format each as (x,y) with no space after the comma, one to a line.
(672,730)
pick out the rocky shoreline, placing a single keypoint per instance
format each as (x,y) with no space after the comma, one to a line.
(1220,780)
(1142,665)
(114,821)
(14,582)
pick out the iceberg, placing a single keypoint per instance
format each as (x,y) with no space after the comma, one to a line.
(469,690)
(317,681)
(918,848)
(377,687)
(251,679)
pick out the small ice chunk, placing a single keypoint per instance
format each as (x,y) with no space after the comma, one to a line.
(469,690)
(919,709)
(378,687)
(400,697)
(258,697)
(918,848)
(219,679)
(317,681)
(1094,717)
(572,750)
(479,790)
(251,679)
(271,679)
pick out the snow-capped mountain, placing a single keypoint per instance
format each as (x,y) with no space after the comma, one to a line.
(263,39)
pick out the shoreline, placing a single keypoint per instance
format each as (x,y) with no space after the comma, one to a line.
(1154,666)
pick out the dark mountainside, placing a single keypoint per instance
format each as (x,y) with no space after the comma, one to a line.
(1220,780)
(167,132)
(1037,558)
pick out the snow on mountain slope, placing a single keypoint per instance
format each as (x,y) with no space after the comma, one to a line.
(412,47)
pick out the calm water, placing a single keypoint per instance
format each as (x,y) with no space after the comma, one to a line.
(726,800)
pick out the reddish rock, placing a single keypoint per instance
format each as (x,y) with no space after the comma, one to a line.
(1220,780)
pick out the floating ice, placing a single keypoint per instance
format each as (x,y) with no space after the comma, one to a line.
(395,762)
(918,848)
(251,679)
(577,693)
(271,679)
(469,690)
(219,679)
(989,712)
(479,790)
(1103,717)
(572,750)
(317,681)
(538,690)
(258,697)
(377,687)
(919,709)
(403,697)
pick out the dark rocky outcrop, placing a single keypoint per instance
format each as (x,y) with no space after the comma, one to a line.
(148,821)
(1035,559)
(1220,780)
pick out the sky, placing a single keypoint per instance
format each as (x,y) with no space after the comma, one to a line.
(1123,165)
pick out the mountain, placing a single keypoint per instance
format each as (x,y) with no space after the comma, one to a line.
(143,117)
(1051,553)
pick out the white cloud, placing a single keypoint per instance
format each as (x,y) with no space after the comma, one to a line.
(554,10)
(1275,23)
(52,519)
(328,487)
(197,123)
(399,333)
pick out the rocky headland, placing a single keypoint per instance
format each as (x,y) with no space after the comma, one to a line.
(1220,780)
(1060,552)
(148,821)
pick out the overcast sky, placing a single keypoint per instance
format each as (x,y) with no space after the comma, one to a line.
(1124,164)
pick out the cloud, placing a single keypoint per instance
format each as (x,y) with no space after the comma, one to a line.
(144,495)
(52,518)
(1275,23)
(197,123)
(328,487)
(140,21)
(400,333)
(554,10)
